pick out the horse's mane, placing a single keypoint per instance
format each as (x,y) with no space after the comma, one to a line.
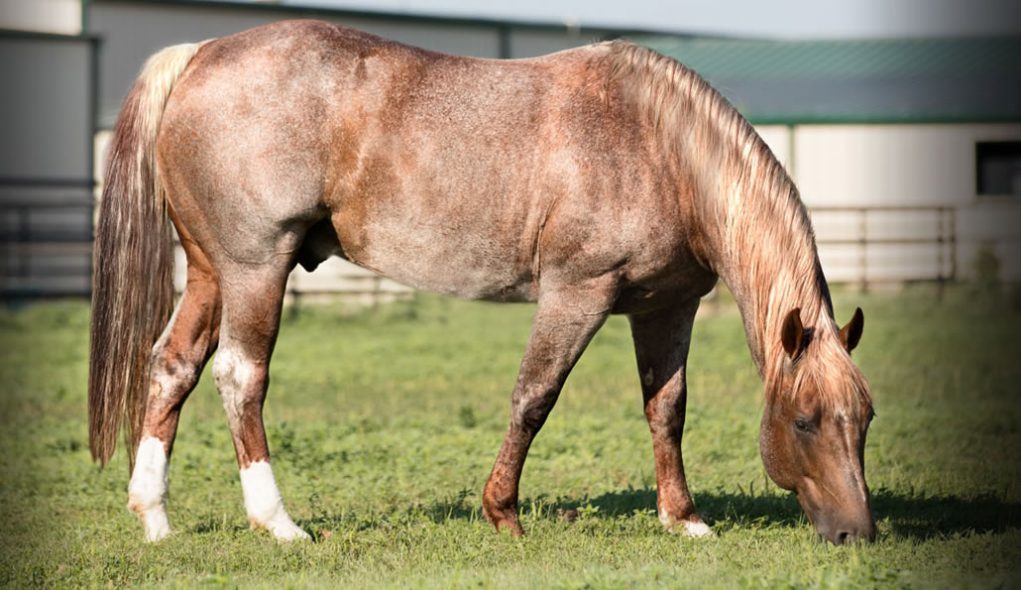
(761,238)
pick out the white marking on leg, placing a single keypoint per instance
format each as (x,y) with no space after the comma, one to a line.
(264,505)
(147,490)
(697,529)
(693,527)
(231,372)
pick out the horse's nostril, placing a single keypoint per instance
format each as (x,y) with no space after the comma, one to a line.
(844,537)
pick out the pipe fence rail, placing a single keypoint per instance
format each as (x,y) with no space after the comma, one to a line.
(46,237)
(939,232)
(46,232)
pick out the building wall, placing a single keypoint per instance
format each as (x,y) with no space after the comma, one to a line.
(63,17)
(904,188)
(45,163)
(35,109)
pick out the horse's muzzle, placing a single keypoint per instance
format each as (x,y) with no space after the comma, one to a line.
(846,532)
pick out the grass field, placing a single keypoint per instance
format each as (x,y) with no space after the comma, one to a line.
(384,424)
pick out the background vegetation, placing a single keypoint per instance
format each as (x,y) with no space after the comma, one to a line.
(384,424)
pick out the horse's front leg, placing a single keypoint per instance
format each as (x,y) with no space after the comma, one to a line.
(566,319)
(661,342)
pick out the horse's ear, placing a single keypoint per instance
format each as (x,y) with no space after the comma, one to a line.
(793,334)
(850,334)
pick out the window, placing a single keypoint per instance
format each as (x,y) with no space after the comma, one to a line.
(998,167)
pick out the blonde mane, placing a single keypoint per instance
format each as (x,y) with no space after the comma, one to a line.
(757,232)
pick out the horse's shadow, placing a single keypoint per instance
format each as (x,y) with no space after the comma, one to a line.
(909,515)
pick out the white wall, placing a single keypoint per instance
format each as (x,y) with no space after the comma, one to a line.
(880,167)
(883,165)
(47,16)
(778,138)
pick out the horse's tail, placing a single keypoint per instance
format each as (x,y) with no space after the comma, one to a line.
(132,276)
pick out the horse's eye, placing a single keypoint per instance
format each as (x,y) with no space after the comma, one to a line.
(803,425)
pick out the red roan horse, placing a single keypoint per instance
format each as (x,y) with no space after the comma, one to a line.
(605,179)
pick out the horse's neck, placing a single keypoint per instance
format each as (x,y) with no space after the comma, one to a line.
(764,250)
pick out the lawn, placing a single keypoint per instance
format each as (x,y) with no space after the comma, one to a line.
(384,423)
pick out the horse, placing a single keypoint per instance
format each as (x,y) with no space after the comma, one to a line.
(597,180)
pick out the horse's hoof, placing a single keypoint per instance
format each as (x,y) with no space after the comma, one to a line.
(692,526)
(504,519)
(511,525)
(290,532)
(296,534)
(154,521)
(697,529)
(157,533)
(282,528)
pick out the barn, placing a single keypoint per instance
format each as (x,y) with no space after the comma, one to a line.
(907,151)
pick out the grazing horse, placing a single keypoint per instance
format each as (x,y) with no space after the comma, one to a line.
(605,179)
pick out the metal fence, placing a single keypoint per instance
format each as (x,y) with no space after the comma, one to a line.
(47,241)
(867,245)
(46,237)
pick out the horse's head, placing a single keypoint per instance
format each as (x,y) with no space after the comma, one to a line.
(818,410)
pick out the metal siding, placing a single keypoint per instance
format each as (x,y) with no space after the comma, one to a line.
(45,122)
(883,80)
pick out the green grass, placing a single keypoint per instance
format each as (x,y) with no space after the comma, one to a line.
(384,423)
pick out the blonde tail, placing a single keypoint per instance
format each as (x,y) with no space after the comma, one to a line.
(132,277)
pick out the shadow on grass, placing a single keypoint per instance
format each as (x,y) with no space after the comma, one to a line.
(926,517)
(910,516)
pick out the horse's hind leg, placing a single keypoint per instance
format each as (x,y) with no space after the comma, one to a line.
(566,319)
(252,298)
(177,361)
(661,341)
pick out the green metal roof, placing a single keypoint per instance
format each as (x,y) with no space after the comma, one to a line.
(890,80)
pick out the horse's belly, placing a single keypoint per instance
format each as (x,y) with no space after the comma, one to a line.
(448,255)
